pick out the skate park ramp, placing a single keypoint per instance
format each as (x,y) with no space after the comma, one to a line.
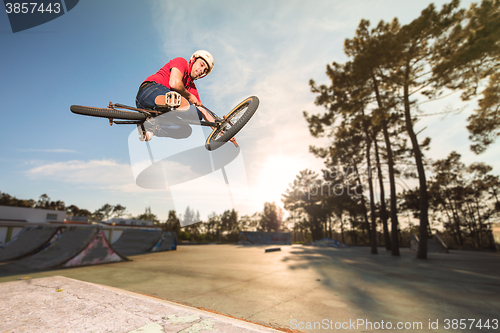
(28,241)
(76,246)
(434,244)
(265,238)
(167,242)
(137,241)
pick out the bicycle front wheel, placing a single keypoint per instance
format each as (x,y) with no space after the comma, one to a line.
(233,123)
(107,113)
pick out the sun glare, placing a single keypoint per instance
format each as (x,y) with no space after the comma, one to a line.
(274,176)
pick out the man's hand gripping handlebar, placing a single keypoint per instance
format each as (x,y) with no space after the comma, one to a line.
(208,117)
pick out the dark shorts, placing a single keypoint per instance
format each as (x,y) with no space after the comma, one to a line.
(145,99)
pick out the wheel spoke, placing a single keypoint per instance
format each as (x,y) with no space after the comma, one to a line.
(232,123)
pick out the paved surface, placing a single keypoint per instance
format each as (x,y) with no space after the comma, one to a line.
(299,286)
(59,304)
(28,241)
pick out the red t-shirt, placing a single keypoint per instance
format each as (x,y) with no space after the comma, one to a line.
(163,75)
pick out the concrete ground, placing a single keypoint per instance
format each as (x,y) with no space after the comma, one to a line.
(314,289)
(60,304)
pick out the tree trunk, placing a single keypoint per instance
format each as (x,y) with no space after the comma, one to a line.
(354,236)
(456,220)
(480,222)
(342,228)
(392,178)
(475,223)
(373,238)
(329,227)
(383,209)
(424,199)
(363,204)
(450,221)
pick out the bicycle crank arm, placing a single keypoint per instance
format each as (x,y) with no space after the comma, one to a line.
(194,122)
(127,122)
(208,123)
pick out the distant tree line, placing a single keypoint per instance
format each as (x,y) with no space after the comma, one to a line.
(462,199)
(372,106)
(224,227)
(218,227)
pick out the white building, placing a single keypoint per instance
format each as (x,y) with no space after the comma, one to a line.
(120,221)
(13,219)
(31,215)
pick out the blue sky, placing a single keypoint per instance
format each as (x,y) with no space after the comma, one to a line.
(102,50)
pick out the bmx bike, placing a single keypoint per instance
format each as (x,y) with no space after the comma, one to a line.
(223,128)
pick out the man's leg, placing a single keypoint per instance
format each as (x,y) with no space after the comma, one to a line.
(146,100)
(146,96)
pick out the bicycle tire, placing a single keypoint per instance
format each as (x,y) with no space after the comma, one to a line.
(242,113)
(107,113)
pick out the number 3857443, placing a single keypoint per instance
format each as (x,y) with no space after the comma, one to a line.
(32,8)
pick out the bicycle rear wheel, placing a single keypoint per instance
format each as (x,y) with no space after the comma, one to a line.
(233,123)
(107,113)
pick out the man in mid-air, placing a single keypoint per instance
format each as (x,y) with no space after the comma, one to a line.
(177,75)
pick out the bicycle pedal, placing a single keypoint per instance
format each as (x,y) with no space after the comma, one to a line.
(173,99)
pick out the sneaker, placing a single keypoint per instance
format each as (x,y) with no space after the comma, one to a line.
(144,135)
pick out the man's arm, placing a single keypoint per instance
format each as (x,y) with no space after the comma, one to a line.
(208,117)
(176,84)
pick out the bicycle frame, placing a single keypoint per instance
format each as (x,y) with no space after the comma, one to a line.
(149,114)
(223,128)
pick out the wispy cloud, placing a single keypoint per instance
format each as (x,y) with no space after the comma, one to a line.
(272,50)
(270,53)
(105,175)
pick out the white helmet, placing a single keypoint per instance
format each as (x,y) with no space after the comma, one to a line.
(205,55)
